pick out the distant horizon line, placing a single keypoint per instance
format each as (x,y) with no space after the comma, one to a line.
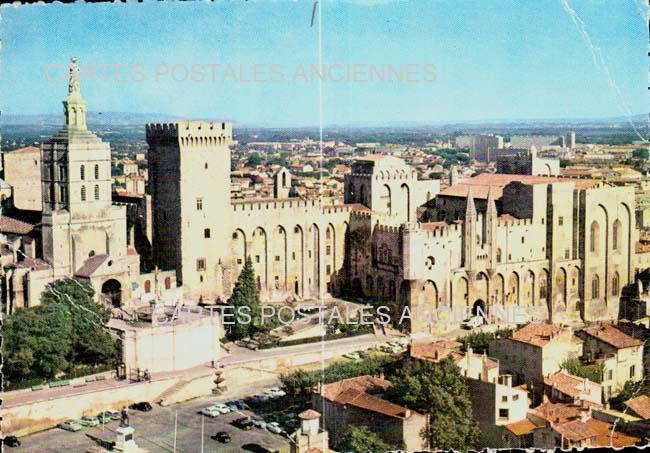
(636,118)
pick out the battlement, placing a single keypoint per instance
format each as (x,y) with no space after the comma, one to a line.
(191,133)
(387,229)
(361,214)
(434,229)
(512,221)
(274,204)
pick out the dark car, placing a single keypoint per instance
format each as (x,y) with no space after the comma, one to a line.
(244,423)
(222,437)
(255,448)
(142,406)
(11,441)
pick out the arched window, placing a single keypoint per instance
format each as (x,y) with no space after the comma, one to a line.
(82,172)
(168,282)
(616,235)
(284,179)
(147,286)
(595,287)
(96,171)
(83,193)
(615,284)
(96,192)
(594,230)
(499,255)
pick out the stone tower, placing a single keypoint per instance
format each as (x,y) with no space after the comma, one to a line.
(282,183)
(79,220)
(490,229)
(189,174)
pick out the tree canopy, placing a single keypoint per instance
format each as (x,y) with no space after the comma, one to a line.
(67,331)
(361,439)
(593,372)
(245,299)
(438,389)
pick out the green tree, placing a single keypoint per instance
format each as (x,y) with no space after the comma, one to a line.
(630,390)
(37,344)
(360,440)
(245,299)
(593,372)
(254,160)
(92,344)
(66,332)
(299,382)
(641,153)
(439,391)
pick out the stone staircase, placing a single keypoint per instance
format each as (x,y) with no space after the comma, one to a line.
(162,399)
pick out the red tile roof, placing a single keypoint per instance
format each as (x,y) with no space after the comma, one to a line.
(91,265)
(14,226)
(604,436)
(367,384)
(612,336)
(640,406)
(568,384)
(362,400)
(575,430)
(309,414)
(482,183)
(538,334)
(437,350)
(521,427)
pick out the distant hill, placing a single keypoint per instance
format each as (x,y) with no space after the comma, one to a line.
(95,118)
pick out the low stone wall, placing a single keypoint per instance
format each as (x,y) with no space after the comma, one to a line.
(35,416)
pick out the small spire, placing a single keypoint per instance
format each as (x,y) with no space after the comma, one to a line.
(491,205)
(74,107)
(471,208)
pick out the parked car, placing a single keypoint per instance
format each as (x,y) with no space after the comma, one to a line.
(70,425)
(259,423)
(472,322)
(104,417)
(352,356)
(275,392)
(222,437)
(115,415)
(244,423)
(211,411)
(11,441)
(274,427)
(232,405)
(142,406)
(88,420)
(222,408)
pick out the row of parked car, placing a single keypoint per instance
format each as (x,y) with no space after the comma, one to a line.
(88,421)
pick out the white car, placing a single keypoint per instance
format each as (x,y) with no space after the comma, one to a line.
(275,392)
(274,427)
(222,408)
(210,412)
(470,323)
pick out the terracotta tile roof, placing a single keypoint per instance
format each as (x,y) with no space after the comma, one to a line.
(482,183)
(33,264)
(362,400)
(538,334)
(14,226)
(437,350)
(367,384)
(609,334)
(91,265)
(557,412)
(575,430)
(309,414)
(568,384)
(521,427)
(604,436)
(640,406)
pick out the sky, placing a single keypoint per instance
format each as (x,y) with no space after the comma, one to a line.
(459,61)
